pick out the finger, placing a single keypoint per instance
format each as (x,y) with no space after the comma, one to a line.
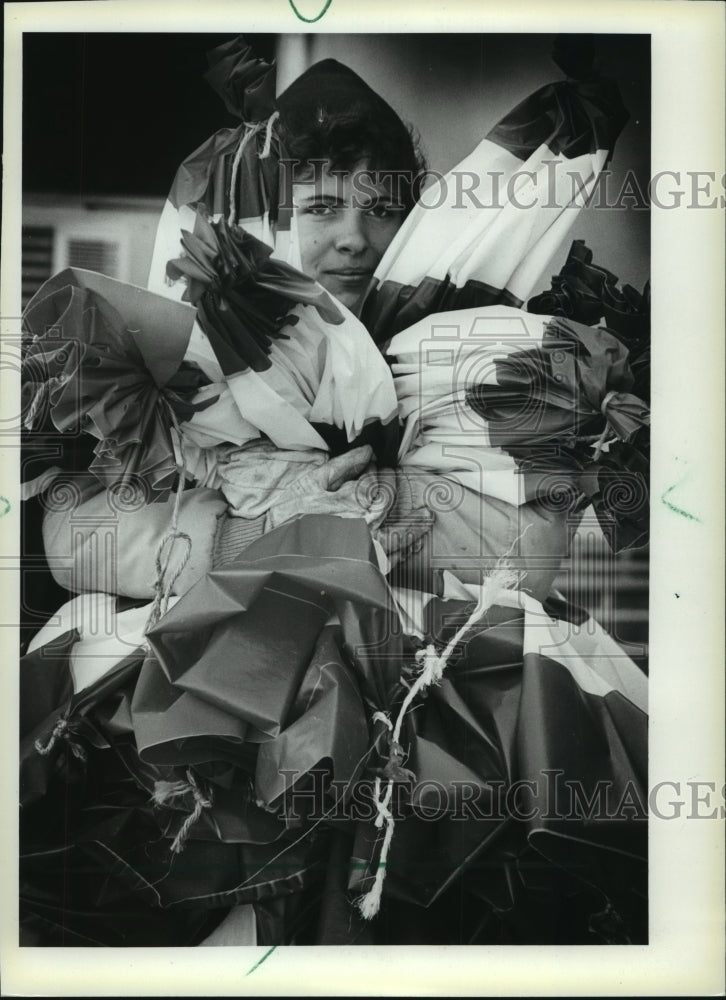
(403,537)
(343,468)
(417,516)
(376,492)
(398,548)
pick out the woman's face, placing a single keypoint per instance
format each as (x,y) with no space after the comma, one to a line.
(345,222)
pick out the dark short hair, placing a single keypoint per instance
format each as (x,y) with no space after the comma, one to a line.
(330,113)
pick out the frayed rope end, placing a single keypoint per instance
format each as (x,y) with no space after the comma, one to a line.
(432,666)
(165,791)
(370,904)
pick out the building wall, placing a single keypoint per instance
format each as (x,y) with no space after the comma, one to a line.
(114,236)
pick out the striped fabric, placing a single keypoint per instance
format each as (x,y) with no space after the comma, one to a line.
(507,403)
(527,179)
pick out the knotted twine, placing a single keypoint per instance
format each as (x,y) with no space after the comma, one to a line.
(164,587)
(503,577)
(61,731)
(250,131)
(167,791)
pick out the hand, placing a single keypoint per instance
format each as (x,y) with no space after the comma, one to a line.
(400,540)
(282,485)
(398,516)
(330,488)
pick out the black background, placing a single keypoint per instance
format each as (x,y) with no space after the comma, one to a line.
(117,113)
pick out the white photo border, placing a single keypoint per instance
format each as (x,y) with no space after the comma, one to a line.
(686,950)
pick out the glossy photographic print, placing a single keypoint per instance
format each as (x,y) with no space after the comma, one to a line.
(333,492)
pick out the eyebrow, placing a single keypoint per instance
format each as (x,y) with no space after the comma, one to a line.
(361,202)
(329,199)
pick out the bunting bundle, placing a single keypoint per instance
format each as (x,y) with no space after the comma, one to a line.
(520,407)
(104,369)
(235,173)
(277,739)
(535,168)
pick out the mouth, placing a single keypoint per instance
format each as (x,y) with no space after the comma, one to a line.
(350,275)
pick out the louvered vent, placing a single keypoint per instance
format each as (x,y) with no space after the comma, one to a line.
(36,259)
(94,255)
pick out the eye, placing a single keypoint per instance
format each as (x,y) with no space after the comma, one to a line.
(319,209)
(384,211)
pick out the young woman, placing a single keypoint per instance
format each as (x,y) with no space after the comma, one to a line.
(313,735)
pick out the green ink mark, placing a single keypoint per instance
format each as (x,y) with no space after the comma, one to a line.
(264,957)
(6,502)
(677,510)
(310,20)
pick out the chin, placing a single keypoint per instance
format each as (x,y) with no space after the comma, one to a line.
(351,300)
(350,297)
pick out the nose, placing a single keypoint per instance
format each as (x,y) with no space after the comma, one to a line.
(352,235)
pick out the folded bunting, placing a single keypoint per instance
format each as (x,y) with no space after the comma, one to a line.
(518,407)
(243,298)
(489,242)
(106,360)
(278,766)
(266,351)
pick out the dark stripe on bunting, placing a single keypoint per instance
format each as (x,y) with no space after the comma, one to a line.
(571,119)
(554,392)
(393,307)
(384,439)
(205,176)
